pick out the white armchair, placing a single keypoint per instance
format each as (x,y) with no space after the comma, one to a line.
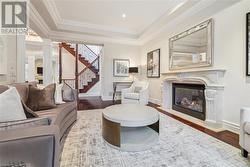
(245,131)
(137,93)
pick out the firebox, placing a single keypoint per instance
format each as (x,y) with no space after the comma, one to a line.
(189,99)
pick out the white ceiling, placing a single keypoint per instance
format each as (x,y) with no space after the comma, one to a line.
(140,14)
(101,20)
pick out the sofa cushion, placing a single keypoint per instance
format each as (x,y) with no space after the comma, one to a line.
(134,96)
(24,123)
(59,113)
(41,99)
(68,93)
(247,128)
(23,89)
(11,108)
(3,88)
(28,112)
(58,94)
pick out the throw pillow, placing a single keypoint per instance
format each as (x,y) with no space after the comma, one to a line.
(137,89)
(41,99)
(28,112)
(58,94)
(68,94)
(11,108)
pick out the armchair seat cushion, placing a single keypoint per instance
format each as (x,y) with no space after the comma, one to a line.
(134,96)
(247,128)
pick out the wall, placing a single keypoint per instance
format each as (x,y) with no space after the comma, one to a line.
(10,58)
(68,65)
(116,51)
(229,54)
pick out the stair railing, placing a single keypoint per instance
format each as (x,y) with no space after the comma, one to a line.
(87,53)
(90,71)
(69,82)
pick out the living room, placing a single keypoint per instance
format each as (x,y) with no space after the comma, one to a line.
(125,83)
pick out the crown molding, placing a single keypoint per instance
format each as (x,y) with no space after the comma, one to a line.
(38,20)
(67,30)
(76,37)
(95,29)
(85,27)
(52,9)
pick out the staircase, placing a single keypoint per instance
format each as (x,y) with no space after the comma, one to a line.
(89,75)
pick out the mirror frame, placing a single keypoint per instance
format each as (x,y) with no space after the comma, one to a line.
(247,43)
(209,60)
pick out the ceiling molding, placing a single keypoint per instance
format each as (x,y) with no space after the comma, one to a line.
(76,37)
(52,9)
(78,31)
(95,28)
(84,27)
(38,20)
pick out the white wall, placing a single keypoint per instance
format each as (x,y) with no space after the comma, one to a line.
(68,65)
(229,54)
(116,51)
(11,60)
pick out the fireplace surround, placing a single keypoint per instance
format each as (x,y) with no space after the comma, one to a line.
(189,99)
(213,81)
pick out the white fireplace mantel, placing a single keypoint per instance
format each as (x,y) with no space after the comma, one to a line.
(213,79)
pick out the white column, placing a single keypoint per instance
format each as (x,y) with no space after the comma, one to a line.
(47,62)
(31,68)
(20,53)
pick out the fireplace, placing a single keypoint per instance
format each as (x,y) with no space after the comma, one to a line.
(189,99)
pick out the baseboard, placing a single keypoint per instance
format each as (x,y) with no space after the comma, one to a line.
(107,98)
(231,126)
(155,101)
(89,94)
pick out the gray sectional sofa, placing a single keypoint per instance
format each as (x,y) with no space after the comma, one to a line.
(37,142)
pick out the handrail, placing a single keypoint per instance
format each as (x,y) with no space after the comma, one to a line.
(69,79)
(90,50)
(87,67)
(64,81)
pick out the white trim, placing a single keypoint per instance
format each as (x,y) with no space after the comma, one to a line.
(89,94)
(155,101)
(75,37)
(52,9)
(95,28)
(231,126)
(38,20)
(126,36)
(106,98)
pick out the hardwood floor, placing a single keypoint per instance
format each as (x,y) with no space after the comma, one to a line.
(226,136)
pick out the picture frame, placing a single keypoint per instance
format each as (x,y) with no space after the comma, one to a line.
(121,67)
(248,44)
(153,64)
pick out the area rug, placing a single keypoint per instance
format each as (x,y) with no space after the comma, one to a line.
(179,146)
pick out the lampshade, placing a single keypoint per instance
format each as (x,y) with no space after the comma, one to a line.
(133,69)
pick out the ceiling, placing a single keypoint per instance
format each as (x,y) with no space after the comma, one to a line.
(107,14)
(102,19)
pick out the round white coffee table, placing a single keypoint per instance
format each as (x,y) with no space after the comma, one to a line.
(130,127)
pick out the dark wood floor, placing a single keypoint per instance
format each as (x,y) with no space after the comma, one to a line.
(225,136)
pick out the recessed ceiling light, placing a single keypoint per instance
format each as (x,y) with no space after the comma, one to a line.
(124,15)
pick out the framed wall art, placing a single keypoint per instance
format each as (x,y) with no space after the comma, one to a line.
(121,67)
(153,64)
